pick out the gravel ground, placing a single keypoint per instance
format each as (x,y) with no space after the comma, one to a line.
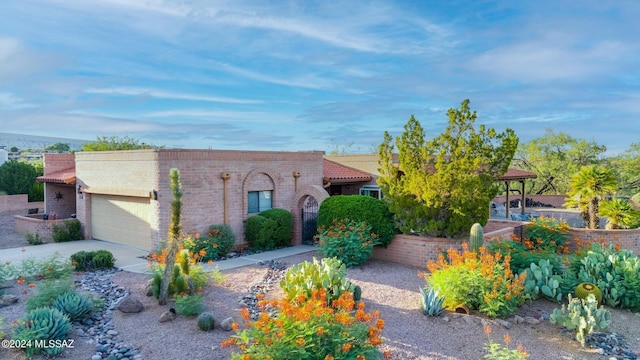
(8,238)
(390,288)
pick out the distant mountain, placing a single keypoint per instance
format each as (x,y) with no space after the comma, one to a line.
(24,142)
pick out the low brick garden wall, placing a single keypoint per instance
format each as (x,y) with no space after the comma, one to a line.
(418,250)
(627,239)
(18,202)
(34,224)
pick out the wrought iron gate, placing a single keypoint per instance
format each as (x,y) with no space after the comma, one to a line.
(309,220)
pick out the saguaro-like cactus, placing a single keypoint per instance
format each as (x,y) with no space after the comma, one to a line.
(476,238)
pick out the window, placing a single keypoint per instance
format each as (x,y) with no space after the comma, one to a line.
(258,201)
(371,190)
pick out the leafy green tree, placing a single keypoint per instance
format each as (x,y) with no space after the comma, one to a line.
(443,186)
(17,177)
(115,143)
(587,187)
(555,157)
(626,168)
(619,213)
(59,147)
(14,149)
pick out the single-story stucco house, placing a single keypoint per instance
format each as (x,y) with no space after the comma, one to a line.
(124,196)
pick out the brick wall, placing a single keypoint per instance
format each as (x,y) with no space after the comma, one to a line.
(65,205)
(136,173)
(417,250)
(35,225)
(58,162)
(628,239)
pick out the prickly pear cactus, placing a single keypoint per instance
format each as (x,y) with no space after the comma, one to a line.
(476,238)
(582,316)
(541,281)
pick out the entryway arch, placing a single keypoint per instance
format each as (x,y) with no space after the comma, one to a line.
(308,196)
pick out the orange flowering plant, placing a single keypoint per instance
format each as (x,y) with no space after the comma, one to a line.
(187,277)
(310,329)
(546,234)
(216,243)
(481,281)
(350,241)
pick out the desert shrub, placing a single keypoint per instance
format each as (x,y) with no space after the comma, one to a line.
(68,231)
(189,305)
(481,281)
(92,260)
(282,217)
(33,238)
(497,351)
(52,267)
(546,234)
(311,329)
(521,257)
(358,208)
(43,323)
(48,291)
(304,278)
(260,233)
(350,241)
(216,243)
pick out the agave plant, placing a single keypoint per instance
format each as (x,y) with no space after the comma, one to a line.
(431,302)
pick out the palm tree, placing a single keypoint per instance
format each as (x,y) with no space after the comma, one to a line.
(620,213)
(588,187)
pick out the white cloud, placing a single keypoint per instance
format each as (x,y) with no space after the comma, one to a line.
(161,94)
(9,101)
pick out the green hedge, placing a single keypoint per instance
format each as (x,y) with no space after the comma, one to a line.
(68,231)
(283,218)
(358,208)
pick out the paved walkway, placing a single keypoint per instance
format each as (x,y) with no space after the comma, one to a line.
(133,259)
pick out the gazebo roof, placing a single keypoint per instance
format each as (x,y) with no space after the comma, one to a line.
(517,174)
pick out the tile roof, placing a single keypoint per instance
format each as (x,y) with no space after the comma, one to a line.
(338,173)
(60,177)
(517,174)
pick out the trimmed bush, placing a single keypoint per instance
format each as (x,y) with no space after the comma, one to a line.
(261,232)
(217,243)
(358,208)
(68,231)
(92,260)
(283,218)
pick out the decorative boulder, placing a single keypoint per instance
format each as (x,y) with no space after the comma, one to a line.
(130,305)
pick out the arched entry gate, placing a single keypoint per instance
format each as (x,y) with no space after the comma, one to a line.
(309,213)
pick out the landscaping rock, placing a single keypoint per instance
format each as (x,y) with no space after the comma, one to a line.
(505,324)
(149,287)
(8,299)
(168,316)
(518,319)
(130,305)
(531,320)
(226,324)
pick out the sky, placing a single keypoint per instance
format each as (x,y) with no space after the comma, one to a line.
(317,75)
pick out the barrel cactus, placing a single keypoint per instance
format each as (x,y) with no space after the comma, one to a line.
(584,289)
(206,321)
(476,238)
(75,305)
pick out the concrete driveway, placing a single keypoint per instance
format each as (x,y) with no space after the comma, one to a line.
(133,259)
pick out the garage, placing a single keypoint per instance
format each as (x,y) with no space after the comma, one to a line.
(121,219)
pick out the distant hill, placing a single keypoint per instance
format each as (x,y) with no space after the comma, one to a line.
(24,142)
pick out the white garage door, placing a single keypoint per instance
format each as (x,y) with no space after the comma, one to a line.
(121,219)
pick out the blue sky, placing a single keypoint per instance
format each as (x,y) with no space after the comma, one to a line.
(316,75)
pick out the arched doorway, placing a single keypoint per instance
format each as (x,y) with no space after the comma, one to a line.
(304,207)
(309,215)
